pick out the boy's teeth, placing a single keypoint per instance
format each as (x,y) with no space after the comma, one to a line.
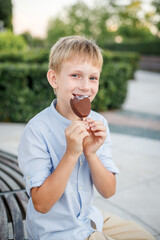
(81,96)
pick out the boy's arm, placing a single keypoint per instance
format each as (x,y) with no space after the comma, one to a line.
(45,196)
(103,179)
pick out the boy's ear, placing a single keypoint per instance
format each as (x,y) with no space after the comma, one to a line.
(51,76)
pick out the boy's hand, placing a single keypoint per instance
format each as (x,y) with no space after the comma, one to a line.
(97,136)
(75,134)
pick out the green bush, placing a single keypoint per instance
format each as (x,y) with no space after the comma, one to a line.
(9,41)
(24,89)
(29,56)
(128,57)
(42,55)
(145,48)
(113,86)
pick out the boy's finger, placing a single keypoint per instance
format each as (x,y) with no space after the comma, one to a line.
(98,128)
(74,125)
(77,130)
(100,134)
(82,135)
(93,123)
(89,120)
(79,123)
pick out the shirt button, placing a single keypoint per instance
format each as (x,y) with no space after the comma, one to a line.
(80,187)
(81,162)
(28,177)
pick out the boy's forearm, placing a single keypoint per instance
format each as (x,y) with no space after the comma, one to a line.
(104,180)
(45,196)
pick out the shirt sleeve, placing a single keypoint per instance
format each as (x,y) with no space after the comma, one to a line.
(105,152)
(33,157)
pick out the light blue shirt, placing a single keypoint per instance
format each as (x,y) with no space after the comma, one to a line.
(41,148)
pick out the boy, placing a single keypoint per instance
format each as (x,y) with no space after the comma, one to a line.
(62,156)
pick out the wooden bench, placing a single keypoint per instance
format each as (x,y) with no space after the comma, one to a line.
(13,199)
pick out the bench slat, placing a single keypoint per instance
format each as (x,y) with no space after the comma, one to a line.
(14,212)
(23,201)
(8,156)
(10,181)
(3,222)
(14,175)
(13,199)
(11,165)
(16,217)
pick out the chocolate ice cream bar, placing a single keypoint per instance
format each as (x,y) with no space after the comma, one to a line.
(81,105)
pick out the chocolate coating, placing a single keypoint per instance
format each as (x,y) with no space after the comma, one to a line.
(81,106)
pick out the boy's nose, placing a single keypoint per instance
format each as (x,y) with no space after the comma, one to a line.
(84,85)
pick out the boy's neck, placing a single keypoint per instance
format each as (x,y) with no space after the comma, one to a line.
(66,114)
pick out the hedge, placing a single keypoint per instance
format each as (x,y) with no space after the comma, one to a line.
(9,41)
(42,55)
(113,86)
(29,56)
(144,48)
(132,58)
(24,89)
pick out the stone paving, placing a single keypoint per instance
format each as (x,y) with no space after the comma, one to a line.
(133,123)
(135,134)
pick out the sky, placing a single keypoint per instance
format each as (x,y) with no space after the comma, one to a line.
(33,15)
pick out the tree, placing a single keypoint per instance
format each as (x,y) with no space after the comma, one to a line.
(105,21)
(79,19)
(33,42)
(6,13)
(9,41)
(56,28)
(133,23)
(156,18)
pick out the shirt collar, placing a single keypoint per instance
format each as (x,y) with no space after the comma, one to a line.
(58,116)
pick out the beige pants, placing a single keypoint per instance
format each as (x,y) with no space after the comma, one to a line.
(116,228)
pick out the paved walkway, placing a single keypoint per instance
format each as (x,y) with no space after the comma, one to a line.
(136,150)
(135,134)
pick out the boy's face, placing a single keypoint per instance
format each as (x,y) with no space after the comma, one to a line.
(75,78)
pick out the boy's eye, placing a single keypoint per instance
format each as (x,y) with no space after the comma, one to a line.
(93,78)
(74,75)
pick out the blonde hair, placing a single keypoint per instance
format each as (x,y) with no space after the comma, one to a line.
(74,46)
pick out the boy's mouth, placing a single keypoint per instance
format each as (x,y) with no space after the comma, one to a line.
(80,96)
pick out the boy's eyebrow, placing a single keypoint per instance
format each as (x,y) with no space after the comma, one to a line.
(91,74)
(96,73)
(79,70)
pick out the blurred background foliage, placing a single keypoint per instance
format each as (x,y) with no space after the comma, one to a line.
(125,32)
(108,21)
(6,14)
(9,41)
